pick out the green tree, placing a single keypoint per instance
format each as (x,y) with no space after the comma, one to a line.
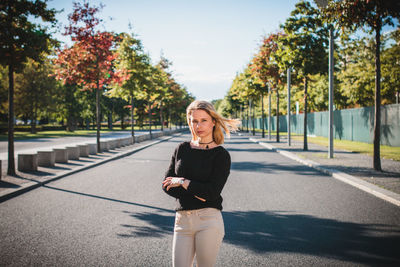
(21,39)
(303,47)
(35,88)
(131,57)
(374,14)
(391,70)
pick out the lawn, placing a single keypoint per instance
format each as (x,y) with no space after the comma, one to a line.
(387,152)
(52,134)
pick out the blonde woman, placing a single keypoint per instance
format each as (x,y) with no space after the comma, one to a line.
(196,176)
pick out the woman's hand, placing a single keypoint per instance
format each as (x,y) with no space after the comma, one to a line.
(170,182)
(202,199)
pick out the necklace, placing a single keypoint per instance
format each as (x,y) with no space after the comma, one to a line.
(206,143)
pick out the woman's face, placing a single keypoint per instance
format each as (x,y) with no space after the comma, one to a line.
(202,123)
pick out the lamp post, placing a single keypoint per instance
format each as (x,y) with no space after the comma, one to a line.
(323,4)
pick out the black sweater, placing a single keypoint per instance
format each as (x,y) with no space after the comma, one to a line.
(207,170)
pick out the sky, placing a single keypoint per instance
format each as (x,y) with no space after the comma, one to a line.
(208,41)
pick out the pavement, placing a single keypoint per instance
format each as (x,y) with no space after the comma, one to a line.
(11,186)
(350,167)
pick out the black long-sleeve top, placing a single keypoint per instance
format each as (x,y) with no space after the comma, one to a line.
(207,170)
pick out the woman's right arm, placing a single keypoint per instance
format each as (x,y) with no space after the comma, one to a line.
(175,192)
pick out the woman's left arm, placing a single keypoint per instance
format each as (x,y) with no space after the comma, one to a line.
(212,190)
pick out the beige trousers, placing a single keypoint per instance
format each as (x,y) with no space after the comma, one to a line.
(197,232)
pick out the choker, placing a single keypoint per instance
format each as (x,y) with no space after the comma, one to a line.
(206,143)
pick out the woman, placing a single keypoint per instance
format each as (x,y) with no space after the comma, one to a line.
(196,176)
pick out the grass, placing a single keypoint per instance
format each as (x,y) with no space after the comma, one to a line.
(53,134)
(387,152)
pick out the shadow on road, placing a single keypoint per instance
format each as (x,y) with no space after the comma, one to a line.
(272,167)
(282,232)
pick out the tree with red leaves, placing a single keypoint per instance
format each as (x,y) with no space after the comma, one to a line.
(266,71)
(88,63)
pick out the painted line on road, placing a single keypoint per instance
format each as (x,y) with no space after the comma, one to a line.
(377,191)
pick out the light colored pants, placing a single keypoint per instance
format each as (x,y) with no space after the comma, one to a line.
(197,232)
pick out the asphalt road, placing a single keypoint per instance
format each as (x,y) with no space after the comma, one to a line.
(276,212)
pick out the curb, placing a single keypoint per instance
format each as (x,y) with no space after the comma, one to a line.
(377,191)
(8,194)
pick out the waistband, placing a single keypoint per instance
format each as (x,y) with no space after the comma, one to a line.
(198,211)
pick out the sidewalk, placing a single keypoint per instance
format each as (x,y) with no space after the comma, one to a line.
(11,186)
(355,167)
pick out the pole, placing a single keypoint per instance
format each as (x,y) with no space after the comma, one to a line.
(269,113)
(288,106)
(331,66)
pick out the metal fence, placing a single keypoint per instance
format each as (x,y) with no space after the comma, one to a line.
(355,124)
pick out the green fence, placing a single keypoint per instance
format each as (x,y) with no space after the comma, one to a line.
(349,124)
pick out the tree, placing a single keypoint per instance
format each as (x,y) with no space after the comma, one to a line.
(21,39)
(35,90)
(391,70)
(303,47)
(374,14)
(89,62)
(265,69)
(131,57)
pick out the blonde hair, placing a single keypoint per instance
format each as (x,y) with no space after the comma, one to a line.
(228,125)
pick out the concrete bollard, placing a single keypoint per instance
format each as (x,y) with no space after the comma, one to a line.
(92,149)
(73,152)
(104,146)
(0,169)
(61,155)
(111,144)
(129,141)
(46,158)
(83,150)
(119,142)
(27,162)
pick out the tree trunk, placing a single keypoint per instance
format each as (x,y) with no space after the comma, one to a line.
(248,118)
(148,103)
(277,115)
(161,117)
(11,163)
(262,114)
(132,119)
(98,116)
(305,145)
(169,120)
(377,120)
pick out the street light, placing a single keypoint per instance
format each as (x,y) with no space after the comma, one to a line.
(323,4)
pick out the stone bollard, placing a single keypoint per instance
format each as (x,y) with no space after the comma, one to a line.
(128,141)
(120,142)
(92,149)
(104,146)
(83,150)
(61,155)
(46,158)
(73,152)
(27,162)
(111,144)
(114,143)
